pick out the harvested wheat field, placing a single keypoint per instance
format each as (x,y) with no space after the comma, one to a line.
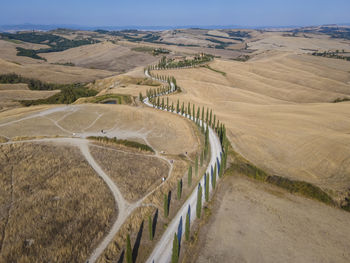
(10,94)
(279,113)
(256,222)
(135,174)
(104,56)
(54,208)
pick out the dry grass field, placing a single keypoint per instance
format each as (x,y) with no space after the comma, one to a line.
(53,206)
(135,181)
(11,93)
(162,131)
(279,114)
(104,56)
(256,222)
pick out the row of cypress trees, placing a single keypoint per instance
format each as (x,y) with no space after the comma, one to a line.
(207,117)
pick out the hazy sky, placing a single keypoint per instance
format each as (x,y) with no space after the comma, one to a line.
(175,12)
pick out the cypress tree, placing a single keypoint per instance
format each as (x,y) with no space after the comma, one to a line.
(150,228)
(179,189)
(128,250)
(166,207)
(207,117)
(189,110)
(167,103)
(207,188)
(214,122)
(196,166)
(202,115)
(172,106)
(189,175)
(140,97)
(175,255)
(182,108)
(193,112)
(210,119)
(201,158)
(214,177)
(199,202)
(162,103)
(158,103)
(198,112)
(187,227)
(178,107)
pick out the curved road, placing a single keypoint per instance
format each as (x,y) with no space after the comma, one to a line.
(163,250)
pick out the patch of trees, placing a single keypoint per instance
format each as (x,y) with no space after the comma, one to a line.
(221,44)
(33,84)
(55,43)
(341,100)
(169,63)
(332,54)
(239,34)
(28,53)
(67,95)
(127,143)
(69,92)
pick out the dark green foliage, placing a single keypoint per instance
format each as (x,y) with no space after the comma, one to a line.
(28,53)
(189,176)
(199,202)
(187,227)
(150,228)
(140,97)
(341,100)
(303,188)
(166,205)
(175,254)
(201,158)
(332,54)
(55,43)
(66,96)
(170,63)
(137,145)
(33,84)
(117,98)
(128,250)
(242,166)
(193,112)
(207,188)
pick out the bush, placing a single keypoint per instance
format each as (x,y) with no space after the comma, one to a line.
(132,144)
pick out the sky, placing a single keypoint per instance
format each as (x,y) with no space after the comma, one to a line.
(175,12)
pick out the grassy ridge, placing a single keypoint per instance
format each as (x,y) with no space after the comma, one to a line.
(69,92)
(243,166)
(67,96)
(127,143)
(215,70)
(119,98)
(33,84)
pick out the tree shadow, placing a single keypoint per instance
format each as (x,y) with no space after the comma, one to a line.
(135,250)
(121,258)
(169,200)
(154,223)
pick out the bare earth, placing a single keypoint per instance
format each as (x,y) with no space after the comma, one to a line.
(255,222)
